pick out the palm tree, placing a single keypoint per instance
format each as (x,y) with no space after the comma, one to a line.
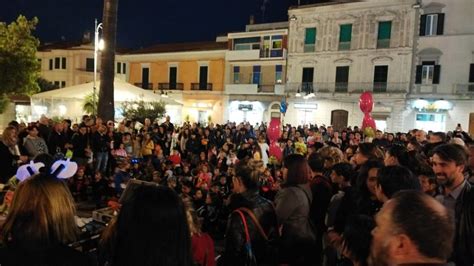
(106,92)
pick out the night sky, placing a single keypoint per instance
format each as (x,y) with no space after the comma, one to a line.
(143,23)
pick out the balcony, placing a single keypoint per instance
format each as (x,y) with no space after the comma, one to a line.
(272,53)
(344,46)
(425,88)
(170,86)
(349,87)
(464,89)
(381,44)
(309,48)
(256,89)
(148,86)
(201,87)
(239,55)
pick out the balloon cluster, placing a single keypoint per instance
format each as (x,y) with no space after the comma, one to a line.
(273,133)
(366,103)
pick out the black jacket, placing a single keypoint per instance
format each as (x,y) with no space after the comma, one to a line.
(44,256)
(463,252)
(8,163)
(235,235)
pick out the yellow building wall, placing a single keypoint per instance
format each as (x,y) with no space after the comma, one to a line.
(188,72)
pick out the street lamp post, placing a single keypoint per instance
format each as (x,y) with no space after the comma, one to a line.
(97,27)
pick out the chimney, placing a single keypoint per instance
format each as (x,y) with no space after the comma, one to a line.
(252,20)
(86,37)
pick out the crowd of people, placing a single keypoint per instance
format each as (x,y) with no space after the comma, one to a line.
(336,197)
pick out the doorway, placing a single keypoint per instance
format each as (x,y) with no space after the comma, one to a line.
(339,119)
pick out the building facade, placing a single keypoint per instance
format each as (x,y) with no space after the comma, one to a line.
(442,93)
(339,50)
(72,63)
(255,74)
(191,73)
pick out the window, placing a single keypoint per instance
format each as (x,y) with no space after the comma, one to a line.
(278,74)
(57,63)
(145,77)
(256,76)
(277,42)
(90,64)
(380,78)
(119,68)
(56,84)
(471,74)
(247,43)
(383,38)
(307,80)
(310,40)
(342,78)
(63,84)
(236,77)
(345,37)
(432,24)
(173,77)
(50,64)
(203,70)
(124,68)
(428,73)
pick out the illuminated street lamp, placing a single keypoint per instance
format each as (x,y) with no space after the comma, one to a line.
(98,45)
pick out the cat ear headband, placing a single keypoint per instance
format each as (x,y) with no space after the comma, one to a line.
(61,169)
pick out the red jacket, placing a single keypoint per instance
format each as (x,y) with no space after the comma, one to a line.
(203,249)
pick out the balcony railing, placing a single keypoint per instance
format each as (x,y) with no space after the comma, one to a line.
(383,44)
(145,86)
(170,86)
(344,46)
(464,89)
(309,48)
(201,87)
(425,88)
(350,87)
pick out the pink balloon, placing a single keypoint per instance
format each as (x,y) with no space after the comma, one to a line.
(368,121)
(275,151)
(366,102)
(273,130)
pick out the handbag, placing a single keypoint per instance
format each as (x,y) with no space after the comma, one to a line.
(248,255)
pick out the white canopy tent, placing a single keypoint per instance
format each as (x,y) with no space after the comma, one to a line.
(68,102)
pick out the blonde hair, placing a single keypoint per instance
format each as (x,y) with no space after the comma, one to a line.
(192,218)
(42,213)
(6,136)
(331,155)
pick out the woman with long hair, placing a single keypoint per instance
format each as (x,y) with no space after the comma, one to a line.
(293,203)
(40,225)
(151,229)
(10,154)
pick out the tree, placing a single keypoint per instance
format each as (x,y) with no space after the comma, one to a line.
(19,67)
(139,110)
(46,85)
(106,92)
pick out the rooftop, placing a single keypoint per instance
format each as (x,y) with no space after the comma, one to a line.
(181,47)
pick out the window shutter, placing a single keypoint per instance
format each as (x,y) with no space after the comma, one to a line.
(471,73)
(385,30)
(419,70)
(310,37)
(346,33)
(63,63)
(436,75)
(440,26)
(119,66)
(50,64)
(422,25)
(124,68)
